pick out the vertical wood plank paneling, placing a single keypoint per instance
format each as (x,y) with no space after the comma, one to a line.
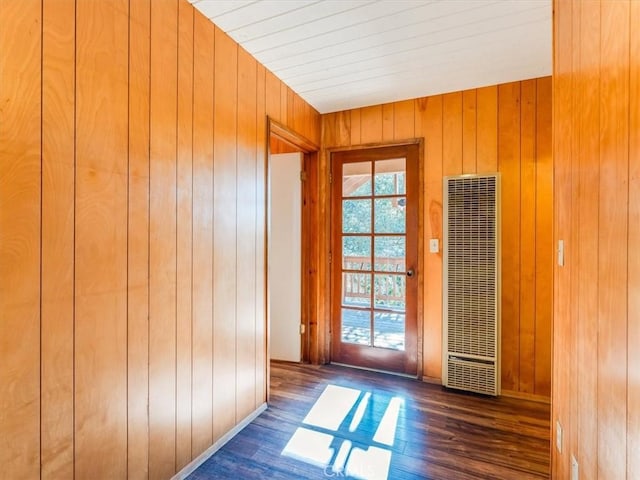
(403,120)
(184,238)
(509,166)
(587,330)
(613,231)
(633,360)
(246,240)
(272,96)
(337,129)
(562,112)
(138,242)
(544,252)
(387,122)
(461,135)
(487,129)
(291,113)
(371,124)
(342,130)
(329,130)
(572,255)
(432,125)
(203,141)
(58,130)
(261,202)
(527,234)
(225,235)
(469,131)
(106,248)
(452,134)
(162,239)
(356,129)
(20,236)
(101,239)
(284,101)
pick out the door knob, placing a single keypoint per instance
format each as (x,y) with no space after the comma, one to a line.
(410,272)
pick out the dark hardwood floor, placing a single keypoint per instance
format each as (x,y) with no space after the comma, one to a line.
(336,422)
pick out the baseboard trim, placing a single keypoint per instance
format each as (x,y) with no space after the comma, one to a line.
(204,456)
(526,396)
(432,380)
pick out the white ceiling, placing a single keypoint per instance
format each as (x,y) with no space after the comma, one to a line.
(341,54)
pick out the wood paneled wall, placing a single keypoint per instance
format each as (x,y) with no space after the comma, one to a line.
(507,129)
(596,381)
(132,223)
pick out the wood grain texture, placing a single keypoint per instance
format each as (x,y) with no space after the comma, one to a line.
(184,236)
(58,155)
(272,95)
(403,120)
(613,234)
(20,237)
(562,113)
(225,234)
(106,235)
(356,129)
(203,141)
(452,134)
(587,330)
(261,343)
(461,132)
(138,242)
(528,165)
(544,253)
(595,378)
(440,435)
(509,167)
(469,131)
(370,125)
(162,239)
(102,61)
(487,129)
(633,360)
(432,330)
(388,121)
(246,236)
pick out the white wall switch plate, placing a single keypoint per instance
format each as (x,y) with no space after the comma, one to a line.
(561,253)
(558,436)
(434,245)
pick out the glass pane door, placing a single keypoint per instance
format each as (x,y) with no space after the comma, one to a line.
(372,268)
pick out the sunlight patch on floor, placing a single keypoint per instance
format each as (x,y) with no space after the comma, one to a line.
(332,407)
(333,437)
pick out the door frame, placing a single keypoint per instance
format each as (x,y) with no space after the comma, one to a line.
(326,189)
(310,252)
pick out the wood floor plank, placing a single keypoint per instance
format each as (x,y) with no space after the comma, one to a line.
(431,433)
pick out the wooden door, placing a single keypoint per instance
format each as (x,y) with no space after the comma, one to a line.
(374,258)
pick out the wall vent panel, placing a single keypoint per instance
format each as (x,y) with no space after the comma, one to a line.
(471,284)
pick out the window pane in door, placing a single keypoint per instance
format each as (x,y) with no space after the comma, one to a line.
(390,291)
(388,330)
(356,179)
(356,216)
(356,253)
(389,254)
(390,177)
(390,215)
(356,289)
(356,326)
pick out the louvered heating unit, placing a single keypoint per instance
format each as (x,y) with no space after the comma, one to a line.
(471,284)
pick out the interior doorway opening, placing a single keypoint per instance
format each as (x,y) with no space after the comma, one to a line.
(299,173)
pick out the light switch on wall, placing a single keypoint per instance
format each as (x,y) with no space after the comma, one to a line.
(575,474)
(434,245)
